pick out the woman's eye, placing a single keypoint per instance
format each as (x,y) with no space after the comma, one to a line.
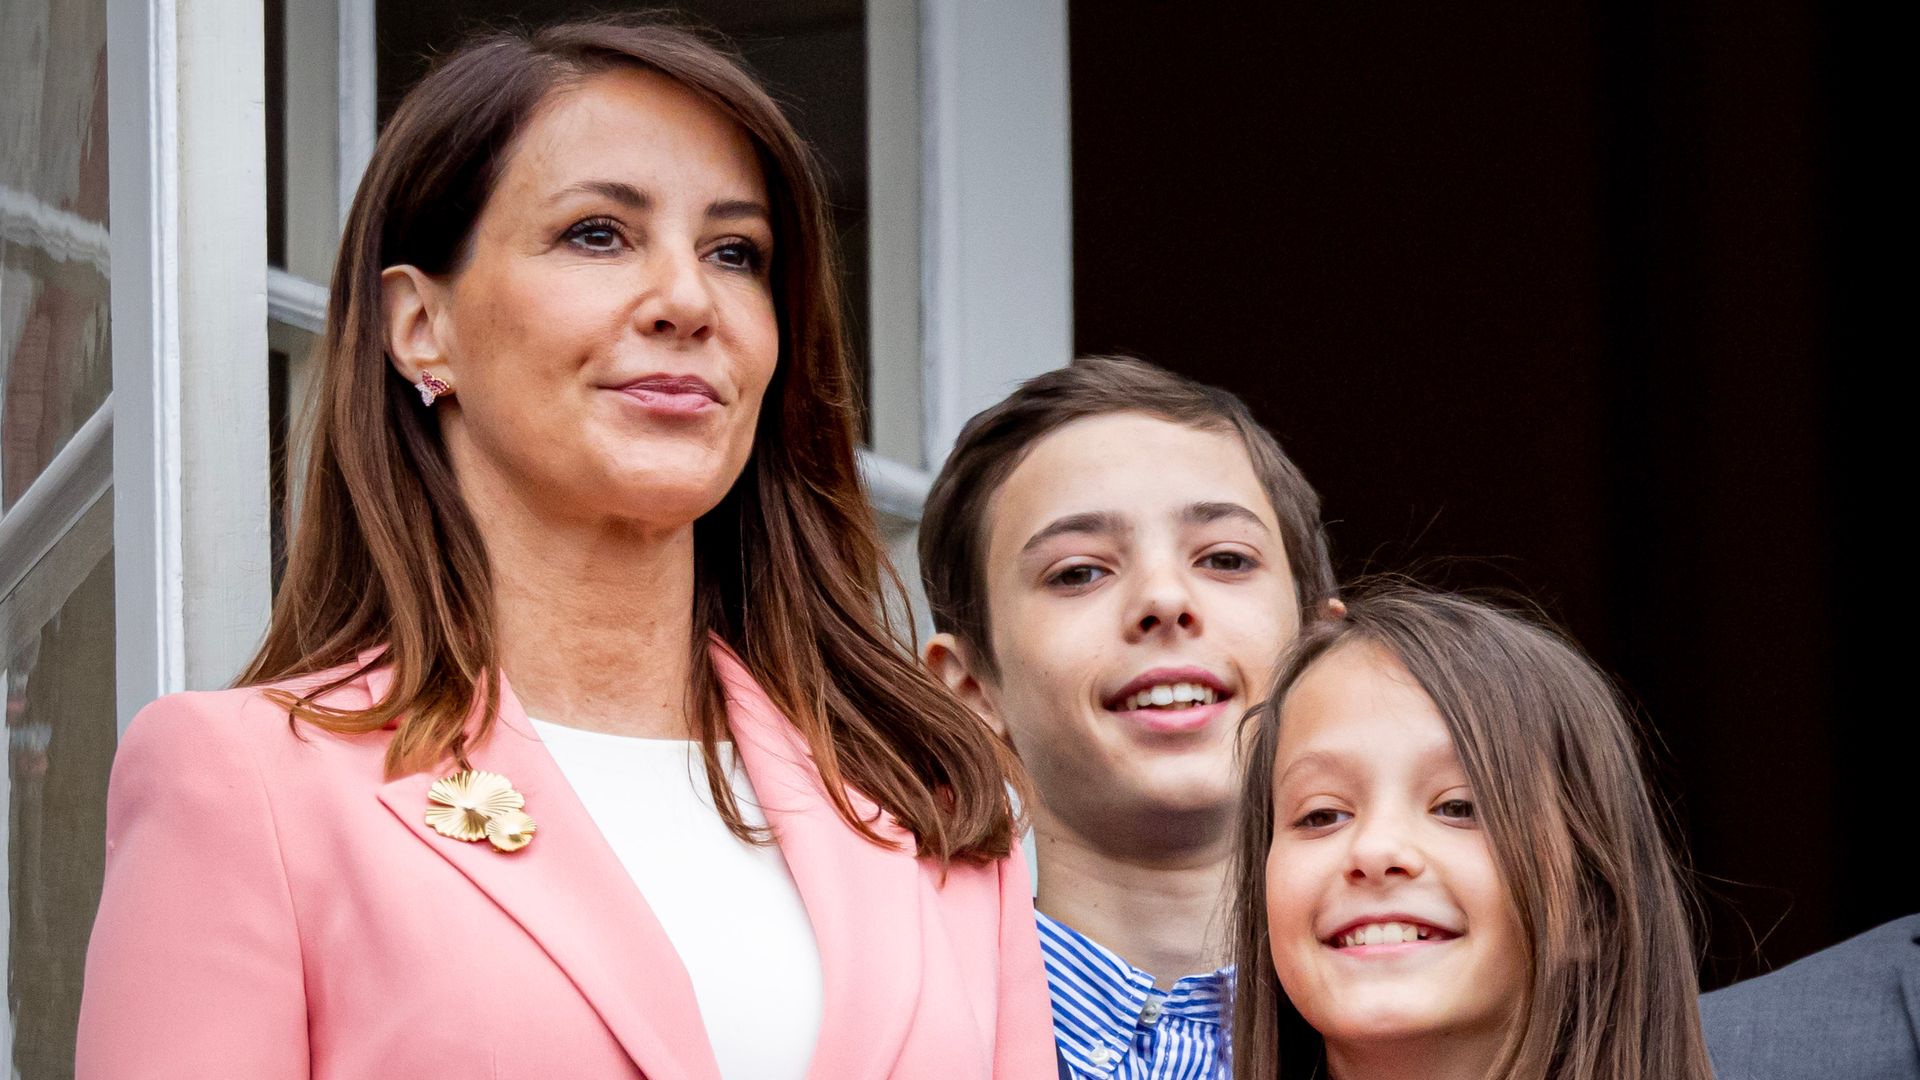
(739,255)
(595,235)
(1227,561)
(1074,577)
(1323,818)
(1456,810)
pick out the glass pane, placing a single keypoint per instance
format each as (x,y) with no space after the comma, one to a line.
(302,86)
(289,383)
(276,75)
(812,53)
(56,642)
(54,369)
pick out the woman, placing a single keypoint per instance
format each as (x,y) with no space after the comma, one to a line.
(584,454)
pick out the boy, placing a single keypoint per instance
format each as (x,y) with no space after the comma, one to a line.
(1114,557)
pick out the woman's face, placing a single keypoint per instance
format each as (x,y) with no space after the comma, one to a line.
(611,332)
(1387,915)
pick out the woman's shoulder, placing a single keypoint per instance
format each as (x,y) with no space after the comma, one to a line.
(192,723)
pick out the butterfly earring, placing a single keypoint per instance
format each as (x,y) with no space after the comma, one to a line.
(432,386)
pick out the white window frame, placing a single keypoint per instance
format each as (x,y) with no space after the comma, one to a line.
(187,181)
(170,440)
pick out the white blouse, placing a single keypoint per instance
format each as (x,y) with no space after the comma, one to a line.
(730,908)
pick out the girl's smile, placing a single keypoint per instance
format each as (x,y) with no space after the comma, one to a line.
(1387,935)
(1388,918)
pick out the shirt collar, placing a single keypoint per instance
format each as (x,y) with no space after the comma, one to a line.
(1098,997)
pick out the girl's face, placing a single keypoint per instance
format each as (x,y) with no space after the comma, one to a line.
(1387,917)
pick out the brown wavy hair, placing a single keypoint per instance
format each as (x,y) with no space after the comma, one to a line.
(1550,752)
(788,568)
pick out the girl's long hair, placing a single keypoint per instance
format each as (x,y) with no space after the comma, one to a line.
(1551,755)
(788,568)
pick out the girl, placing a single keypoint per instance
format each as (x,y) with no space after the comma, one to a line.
(1449,864)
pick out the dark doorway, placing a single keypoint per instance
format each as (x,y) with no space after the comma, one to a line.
(1588,298)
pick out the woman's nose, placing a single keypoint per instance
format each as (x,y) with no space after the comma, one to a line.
(677,305)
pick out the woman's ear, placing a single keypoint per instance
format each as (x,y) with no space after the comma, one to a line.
(410,302)
(947,658)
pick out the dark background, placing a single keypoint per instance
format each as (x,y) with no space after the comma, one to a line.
(1595,298)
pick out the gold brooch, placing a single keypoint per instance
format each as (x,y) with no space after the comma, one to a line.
(479,805)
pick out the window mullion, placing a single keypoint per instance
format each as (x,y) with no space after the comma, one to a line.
(188,189)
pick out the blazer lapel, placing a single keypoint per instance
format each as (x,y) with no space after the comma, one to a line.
(569,891)
(862,899)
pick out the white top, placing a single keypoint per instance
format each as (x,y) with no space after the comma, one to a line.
(730,908)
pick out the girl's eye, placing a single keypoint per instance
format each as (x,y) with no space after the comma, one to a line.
(1460,810)
(739,255)
(1324,818)
(595,234)
(1074,577)
(1230,562)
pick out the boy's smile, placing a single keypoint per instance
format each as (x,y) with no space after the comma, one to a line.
(1171,700)
(1139,593)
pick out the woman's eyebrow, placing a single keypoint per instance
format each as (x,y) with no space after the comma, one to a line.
(619,191)
(738,209)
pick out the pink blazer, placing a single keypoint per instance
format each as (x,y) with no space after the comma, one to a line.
(274,907)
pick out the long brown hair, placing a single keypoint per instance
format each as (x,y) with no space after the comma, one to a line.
(1551,755)
(788,567)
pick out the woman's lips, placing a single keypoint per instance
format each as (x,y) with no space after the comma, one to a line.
(671,404)
(675,395)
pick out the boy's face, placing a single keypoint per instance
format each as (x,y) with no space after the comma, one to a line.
(1138,594)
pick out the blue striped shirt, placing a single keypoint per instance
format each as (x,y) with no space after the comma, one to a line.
(1112,1023)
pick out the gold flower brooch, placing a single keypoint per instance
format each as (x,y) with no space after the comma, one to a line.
(479,805)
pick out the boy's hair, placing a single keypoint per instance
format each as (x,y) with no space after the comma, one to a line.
(1550,753)
(994,442)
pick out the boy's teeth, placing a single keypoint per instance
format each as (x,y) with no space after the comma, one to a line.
(1391,933)
(1172,695)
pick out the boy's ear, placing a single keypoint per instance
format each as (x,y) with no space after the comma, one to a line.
(409,302)
(947,658)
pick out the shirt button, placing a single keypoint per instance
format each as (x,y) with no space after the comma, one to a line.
(1100,1056)
(1150,1011)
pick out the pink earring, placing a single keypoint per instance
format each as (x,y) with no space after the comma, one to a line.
(432,386)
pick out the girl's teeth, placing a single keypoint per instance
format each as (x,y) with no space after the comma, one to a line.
(1383,934)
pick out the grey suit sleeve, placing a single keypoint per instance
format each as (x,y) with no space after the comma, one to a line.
(1851,1012)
